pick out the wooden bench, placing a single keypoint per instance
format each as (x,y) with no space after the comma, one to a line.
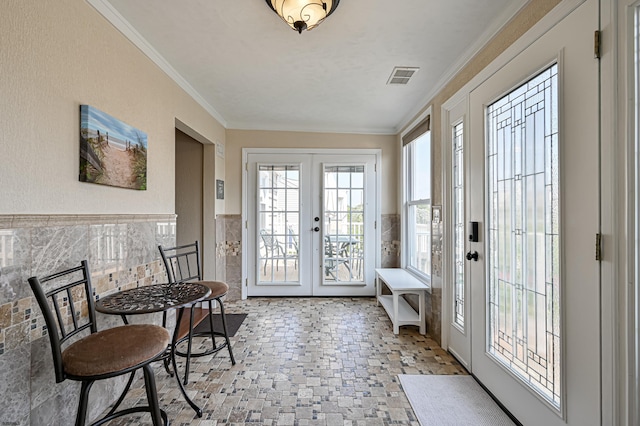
(401,282)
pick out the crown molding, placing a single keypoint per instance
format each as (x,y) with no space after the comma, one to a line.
(384,131)
(121,24)
(507,15)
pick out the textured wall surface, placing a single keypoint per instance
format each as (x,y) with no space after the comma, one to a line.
(239,139)
(122,253)
(55,56)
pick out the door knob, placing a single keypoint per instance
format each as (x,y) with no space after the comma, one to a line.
(317,229)
(473,256)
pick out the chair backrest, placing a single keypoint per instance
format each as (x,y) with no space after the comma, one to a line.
(329,248)
(71,296)
(293,238)
(182,262)
(269,241)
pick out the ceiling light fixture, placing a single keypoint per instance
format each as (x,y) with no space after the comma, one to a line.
(303,14)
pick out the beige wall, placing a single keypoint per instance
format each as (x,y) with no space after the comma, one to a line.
(239,139)
(54,56)
(520,24)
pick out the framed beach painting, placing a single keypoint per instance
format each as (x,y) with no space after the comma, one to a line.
(111,152)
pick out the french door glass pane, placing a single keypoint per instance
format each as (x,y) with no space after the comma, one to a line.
(458,224)
(524,236)
(279,223)
(343,224)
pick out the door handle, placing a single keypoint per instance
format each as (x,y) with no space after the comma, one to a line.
(473,256)
(317,229)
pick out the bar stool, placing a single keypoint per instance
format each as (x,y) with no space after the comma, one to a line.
(182,264)
(101,354)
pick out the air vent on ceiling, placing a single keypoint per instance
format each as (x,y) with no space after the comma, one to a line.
(401,75)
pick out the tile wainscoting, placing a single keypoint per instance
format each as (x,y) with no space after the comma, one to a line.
(229,253)
(122,253)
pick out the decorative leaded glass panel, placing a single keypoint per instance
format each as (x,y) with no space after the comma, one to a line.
(458,224)
(523,233)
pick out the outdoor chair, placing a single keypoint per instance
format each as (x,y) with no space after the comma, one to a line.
(273,249)
(335,254)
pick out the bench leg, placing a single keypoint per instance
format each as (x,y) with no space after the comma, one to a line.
(396,327)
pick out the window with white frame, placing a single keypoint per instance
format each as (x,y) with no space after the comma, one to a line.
(417,200)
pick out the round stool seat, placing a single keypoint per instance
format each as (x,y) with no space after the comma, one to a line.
(114,350)
(218,288)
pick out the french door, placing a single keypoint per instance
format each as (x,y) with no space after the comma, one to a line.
(534,192)
(311,223)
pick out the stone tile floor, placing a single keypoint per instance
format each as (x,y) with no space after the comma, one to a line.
(304,361)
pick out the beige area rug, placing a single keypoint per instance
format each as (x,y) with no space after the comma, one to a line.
(451,400)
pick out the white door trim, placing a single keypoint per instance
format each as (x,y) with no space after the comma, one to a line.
(624,92)
(455,113)
(320,151)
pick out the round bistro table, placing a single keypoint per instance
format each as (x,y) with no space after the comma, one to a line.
(156,298)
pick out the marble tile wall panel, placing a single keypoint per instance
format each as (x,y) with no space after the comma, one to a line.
(15,387)
(15,260)
(390,234)
(221,256)
(435,314)
(390,227)
(233,227)
(57,248)
(107,247)
(233,255)
(436,252)
(141,246)
(122,253)
(234,277)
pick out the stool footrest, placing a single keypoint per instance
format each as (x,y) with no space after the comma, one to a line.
(205,353)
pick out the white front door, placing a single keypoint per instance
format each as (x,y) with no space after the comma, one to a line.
(534,190)
(311,221)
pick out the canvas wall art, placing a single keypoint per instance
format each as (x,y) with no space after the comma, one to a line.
(111,152)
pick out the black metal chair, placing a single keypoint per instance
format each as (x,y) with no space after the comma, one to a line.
(182,264)
(100,354)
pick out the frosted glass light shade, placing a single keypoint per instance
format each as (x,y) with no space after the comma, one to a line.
(303,14)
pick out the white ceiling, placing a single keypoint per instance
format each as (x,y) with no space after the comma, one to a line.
(251,71)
